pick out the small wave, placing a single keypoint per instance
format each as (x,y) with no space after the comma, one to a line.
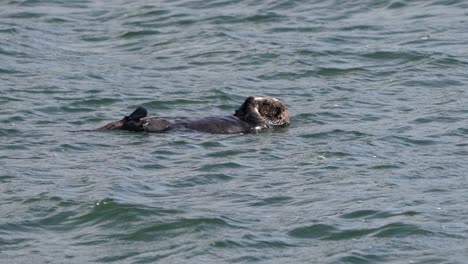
(226,153)
(59,20)
(361,258)
(200,4)
(220,166)
(72,147)
(254,19)
(108,212)
(169,104)
(94,38)
(65,109)
(295,29)
(14,53)
(460,3)
(213,54)
(95,102)
(410,141)
(396,5)
(392,55)
(250,243)
(44,89)
(202,179)
(401,230)
(9,132)
(437,119)
(322,71)
(139,34)
(375,214)
(152,13)
(316,231)
(449,61)
(305,118)
(462,131)
(385,167)
(330,71)
(272,201)
(10,30)
(327,232)
(349,135)
(362,28)
(211,144)
(153,166)
(334,154)
(163,153)
(156,232)
(430,82)
(26,15)
(8,71)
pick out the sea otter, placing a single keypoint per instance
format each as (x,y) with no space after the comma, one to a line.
(255,114)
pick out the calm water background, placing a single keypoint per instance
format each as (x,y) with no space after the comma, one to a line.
(373,168)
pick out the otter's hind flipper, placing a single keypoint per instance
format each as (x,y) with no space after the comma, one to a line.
(130,122)
(133,121)
(136,115)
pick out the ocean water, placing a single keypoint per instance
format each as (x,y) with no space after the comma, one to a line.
(373,168)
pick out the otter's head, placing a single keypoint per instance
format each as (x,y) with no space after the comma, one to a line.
(263,112)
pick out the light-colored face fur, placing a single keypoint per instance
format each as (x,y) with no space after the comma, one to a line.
(272,110)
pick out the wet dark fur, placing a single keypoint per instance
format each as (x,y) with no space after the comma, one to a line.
(254,114)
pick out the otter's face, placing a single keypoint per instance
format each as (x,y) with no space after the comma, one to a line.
(264,112)
(273,111)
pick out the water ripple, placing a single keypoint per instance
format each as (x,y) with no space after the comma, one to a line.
(167,230)
(327,232)
(374,159)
